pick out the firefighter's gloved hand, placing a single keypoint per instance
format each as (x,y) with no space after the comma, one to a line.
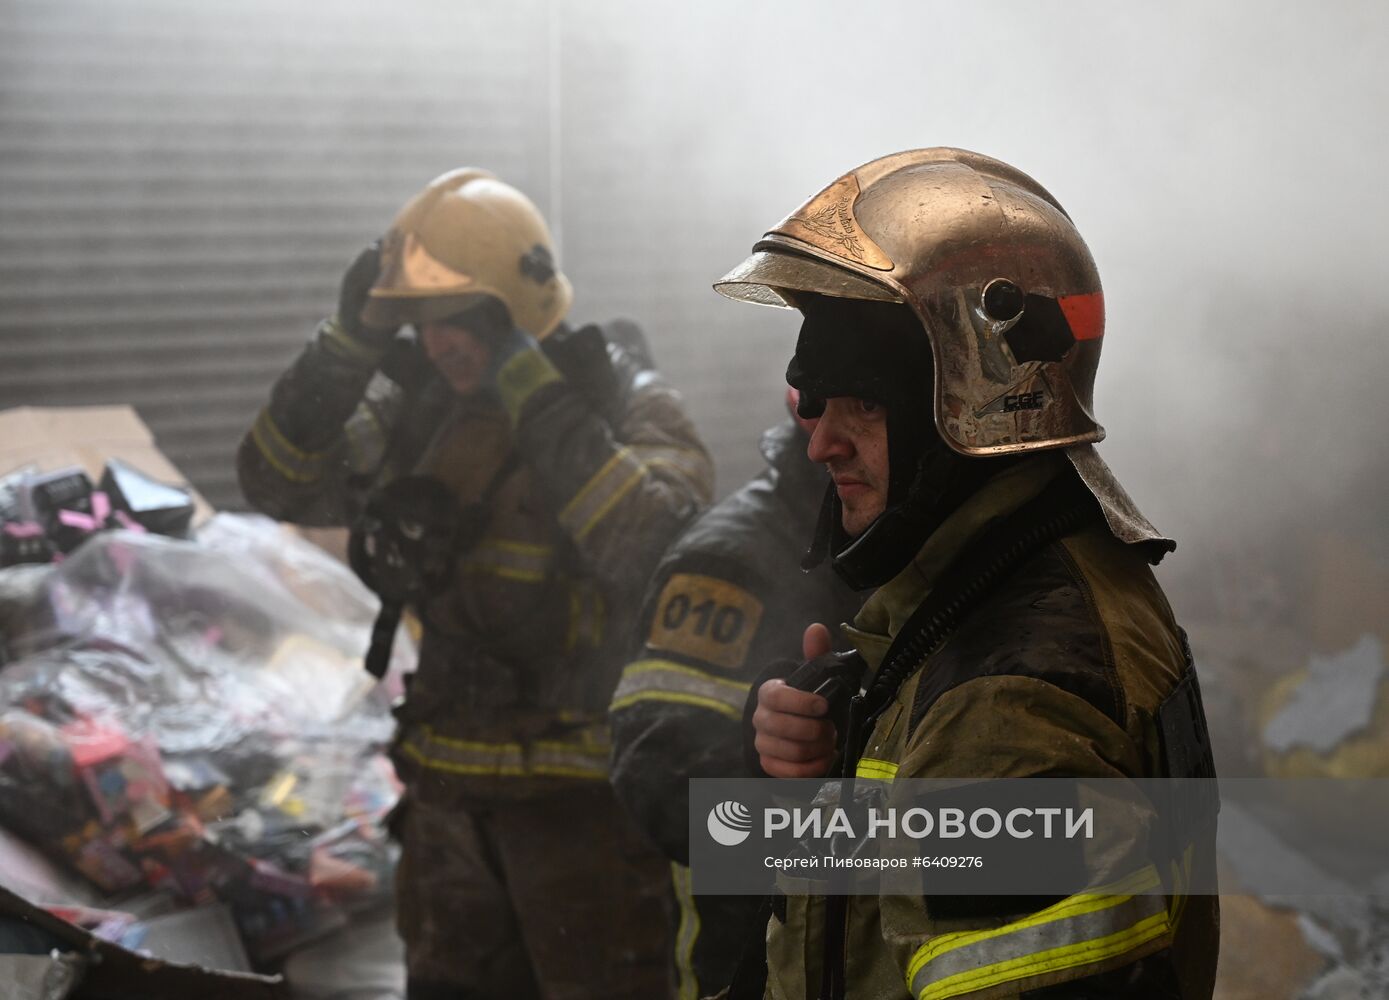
(361,274)
(518,370)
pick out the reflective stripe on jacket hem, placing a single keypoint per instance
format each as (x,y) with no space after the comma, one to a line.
(521,562)
(1081,930)
(869,767)
(543,758)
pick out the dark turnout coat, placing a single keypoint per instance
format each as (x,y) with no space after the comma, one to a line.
(728,598)
(570,509)
(1059,670)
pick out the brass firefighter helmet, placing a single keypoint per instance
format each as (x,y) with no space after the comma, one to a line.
(465,237)
(989,262)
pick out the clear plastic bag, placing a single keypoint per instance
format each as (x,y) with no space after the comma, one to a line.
(193,717)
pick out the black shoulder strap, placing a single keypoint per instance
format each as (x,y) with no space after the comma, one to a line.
(1062,507)
(1190,802)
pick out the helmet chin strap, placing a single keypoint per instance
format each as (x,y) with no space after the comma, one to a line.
(883,549)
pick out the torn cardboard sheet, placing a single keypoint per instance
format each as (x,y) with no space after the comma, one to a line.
(1335,702)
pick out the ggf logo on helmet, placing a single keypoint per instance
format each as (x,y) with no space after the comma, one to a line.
(730,823)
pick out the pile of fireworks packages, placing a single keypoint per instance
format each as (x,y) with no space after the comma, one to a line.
(190,721)
(46,515)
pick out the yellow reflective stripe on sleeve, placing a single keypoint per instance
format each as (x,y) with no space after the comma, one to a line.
(294,464)
(602,493)
(553,758)
(682,460)
(1081,930)
(519,561)
(686,934)
(664,680)
(868,767)
(675,697)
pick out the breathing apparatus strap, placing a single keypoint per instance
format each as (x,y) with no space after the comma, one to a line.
(1060,509)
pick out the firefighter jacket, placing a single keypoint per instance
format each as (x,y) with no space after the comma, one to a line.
(1058,671)
(728,597)
(570,500)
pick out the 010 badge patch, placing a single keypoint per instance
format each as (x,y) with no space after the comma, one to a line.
(705,618)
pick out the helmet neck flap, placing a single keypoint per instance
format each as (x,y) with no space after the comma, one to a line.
(879,351)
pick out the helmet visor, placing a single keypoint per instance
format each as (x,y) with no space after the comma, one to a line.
(766,277)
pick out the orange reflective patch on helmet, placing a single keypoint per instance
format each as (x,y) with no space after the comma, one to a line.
(1084,315)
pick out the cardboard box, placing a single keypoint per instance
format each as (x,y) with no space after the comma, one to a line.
(52,438)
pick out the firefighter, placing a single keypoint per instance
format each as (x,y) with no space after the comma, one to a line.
(721,605)
(514,480)
(953,319)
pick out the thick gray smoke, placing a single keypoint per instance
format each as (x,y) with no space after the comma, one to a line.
(1223,162)
(180,186)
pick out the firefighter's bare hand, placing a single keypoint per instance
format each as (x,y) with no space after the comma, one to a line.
(794,739)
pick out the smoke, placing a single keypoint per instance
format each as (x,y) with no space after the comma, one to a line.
(186,181)
(1219,159)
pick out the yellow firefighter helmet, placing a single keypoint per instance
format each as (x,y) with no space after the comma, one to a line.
(465,237)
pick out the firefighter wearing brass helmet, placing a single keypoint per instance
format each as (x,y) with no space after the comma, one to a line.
(513,481)
(953,320)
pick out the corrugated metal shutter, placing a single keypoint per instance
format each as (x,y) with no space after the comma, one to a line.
(182,184)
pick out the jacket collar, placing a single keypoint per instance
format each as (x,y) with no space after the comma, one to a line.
(889,607)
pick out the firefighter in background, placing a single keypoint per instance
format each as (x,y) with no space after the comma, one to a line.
(953,321)
(728,598)
(515,481)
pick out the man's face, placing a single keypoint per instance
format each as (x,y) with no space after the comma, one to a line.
(459,354)
(850,438)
